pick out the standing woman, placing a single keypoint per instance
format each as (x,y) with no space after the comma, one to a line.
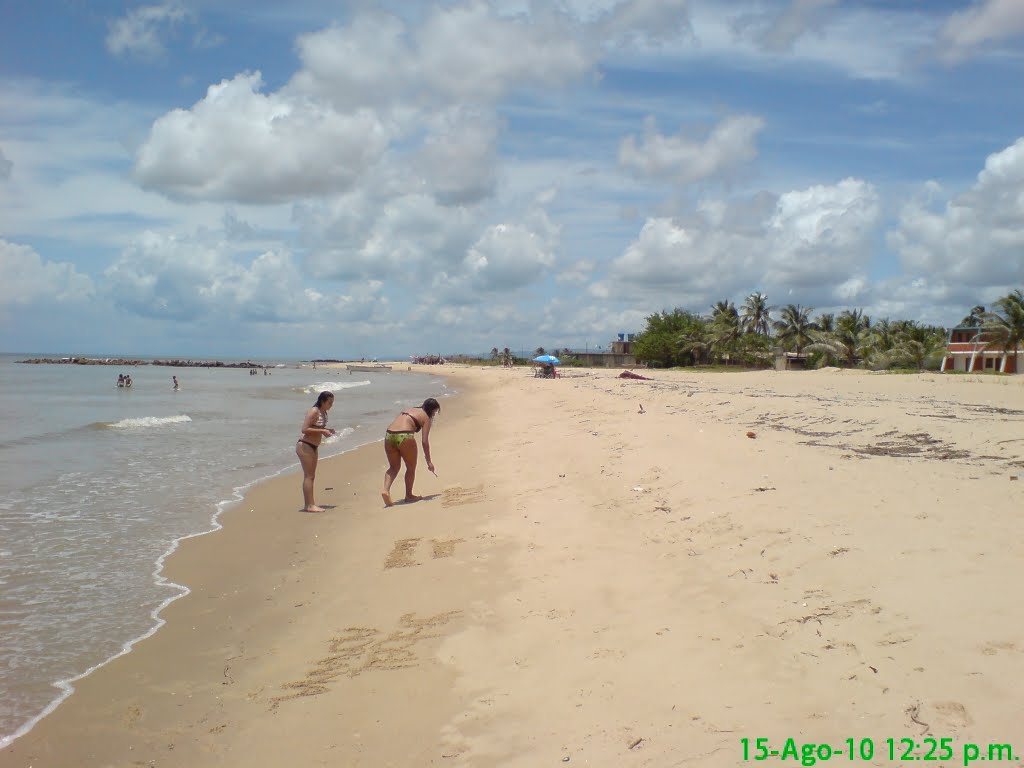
(400,445)
(314,429)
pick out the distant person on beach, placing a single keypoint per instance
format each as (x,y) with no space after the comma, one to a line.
(400,445)
(314,429)
(120,379)
(128,380)
(176,385)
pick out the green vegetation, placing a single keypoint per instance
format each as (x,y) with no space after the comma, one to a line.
(1004,329)
(729,337)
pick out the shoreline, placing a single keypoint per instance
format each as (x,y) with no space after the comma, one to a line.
(597,581)
(66,687)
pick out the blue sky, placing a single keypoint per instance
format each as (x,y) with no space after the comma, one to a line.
(356,179)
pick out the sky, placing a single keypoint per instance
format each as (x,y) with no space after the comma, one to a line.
(378,179)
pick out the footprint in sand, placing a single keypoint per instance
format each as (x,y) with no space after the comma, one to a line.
(457,496)
(132,716)
(444,547)
(952,714)
(401,555)
(992,649)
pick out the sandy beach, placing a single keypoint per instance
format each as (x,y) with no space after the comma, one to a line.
(605,572)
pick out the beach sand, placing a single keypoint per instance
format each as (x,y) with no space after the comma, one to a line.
(590,584)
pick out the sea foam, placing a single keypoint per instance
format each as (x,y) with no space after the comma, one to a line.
(333,386)
(149,421)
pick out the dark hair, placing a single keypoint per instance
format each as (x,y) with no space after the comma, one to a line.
(431,406)
(324,397)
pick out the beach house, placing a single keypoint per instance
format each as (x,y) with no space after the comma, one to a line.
(620,354)
(966,352)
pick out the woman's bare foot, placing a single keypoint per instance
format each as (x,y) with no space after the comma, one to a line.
(314,508)
(387,499)
(411,497)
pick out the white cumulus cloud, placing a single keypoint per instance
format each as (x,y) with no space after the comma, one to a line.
(458,53)
(239,144)
(26,278)
(817,241)
(976,239)
(187,279)
(730,144)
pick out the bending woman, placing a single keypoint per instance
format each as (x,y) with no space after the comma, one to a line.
(400,445)
(314,429)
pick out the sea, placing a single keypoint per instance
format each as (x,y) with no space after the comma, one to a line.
(99,484)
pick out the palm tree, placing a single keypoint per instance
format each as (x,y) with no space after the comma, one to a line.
(826,322)
(795,326)
(976,318)
(882,343)
(693,342)
(506,357)
(723,308)
(1004,328)
(725,328)
(494,354)
(848,341)
(539,351)
(757,314)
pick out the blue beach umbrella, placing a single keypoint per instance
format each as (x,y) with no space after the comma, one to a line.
(547,359)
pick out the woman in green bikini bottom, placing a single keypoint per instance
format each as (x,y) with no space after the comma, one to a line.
(400,445)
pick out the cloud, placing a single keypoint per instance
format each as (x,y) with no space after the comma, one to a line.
(867,41)
(683,160)
(238,144)
(822,235)
(458,158)
(367,93)
(645,22)
(468,52)
(367,235)
(778,32)
(510,256)
(459,53)
(140,32)
(814,240)
(974,240)
(6,166)
(25,278)
(985,21)
(505,258)
(189,280)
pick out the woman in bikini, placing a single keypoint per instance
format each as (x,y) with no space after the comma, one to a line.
(400,445)
(314,429)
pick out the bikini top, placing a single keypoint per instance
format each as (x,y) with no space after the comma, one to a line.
(414,421)
(321,420)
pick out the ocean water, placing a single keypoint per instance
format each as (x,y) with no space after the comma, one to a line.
(98,484)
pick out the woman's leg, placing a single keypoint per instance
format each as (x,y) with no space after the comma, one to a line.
(409,456)
(307,458)
(394,462)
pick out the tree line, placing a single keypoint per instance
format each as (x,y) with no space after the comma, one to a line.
(752,334)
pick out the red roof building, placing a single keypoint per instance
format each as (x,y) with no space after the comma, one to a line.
(965,351)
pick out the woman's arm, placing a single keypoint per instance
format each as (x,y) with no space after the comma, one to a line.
(426,444)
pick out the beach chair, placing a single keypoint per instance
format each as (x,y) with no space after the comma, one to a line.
(545,372)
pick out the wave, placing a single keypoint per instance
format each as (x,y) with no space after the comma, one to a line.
(341,434)
(148,421)
(332,386)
